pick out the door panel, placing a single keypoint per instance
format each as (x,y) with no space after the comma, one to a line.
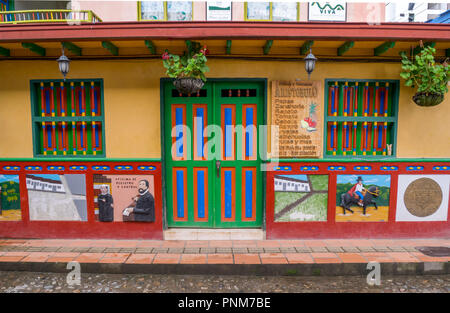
(218,186)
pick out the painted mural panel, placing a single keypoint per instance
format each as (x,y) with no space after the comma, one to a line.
(179,10)
(258,10)
(423,197)
(152,10)
(327,11)
(10,198)
(362,198)
(124,198)
(218,11)
(301,198)
(54,197)
(284,11)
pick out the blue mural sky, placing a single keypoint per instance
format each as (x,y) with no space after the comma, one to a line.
(49,176)
(300,177)
(378,180)
(14,178)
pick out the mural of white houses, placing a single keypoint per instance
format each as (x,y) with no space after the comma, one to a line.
(284,183)
(44,184)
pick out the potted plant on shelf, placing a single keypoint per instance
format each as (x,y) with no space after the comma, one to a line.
(189,69)
(431,78)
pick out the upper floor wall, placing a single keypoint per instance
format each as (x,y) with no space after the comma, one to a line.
(110,11)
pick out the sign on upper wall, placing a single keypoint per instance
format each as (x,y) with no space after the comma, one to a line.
(327,11)
(218,11)
(297,112)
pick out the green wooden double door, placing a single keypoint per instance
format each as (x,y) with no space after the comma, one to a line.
(212,159)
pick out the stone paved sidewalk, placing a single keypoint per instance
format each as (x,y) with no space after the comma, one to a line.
(220,251)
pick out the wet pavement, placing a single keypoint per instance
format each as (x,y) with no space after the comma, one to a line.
(27,282)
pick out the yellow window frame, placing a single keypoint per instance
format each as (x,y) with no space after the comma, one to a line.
(139,9)
(270,13)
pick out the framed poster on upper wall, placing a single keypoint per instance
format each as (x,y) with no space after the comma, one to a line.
(335,11)
(218,11)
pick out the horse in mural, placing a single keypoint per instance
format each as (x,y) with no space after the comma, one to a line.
(348,200)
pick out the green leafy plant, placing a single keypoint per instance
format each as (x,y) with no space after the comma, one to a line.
(425,73)
(191,64)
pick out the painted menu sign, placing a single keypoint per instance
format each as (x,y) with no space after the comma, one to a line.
(297,113)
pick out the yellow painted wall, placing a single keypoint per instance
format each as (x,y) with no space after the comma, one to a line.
(132,102)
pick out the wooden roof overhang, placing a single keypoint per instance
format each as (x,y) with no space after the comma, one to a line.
(280,40)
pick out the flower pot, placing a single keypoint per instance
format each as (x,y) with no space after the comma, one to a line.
(428,99)
(188,85)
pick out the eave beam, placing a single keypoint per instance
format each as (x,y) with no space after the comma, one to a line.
(72,47)
(383,48)
(34,48)
(110,47)
(345,47)
(267,46)
(5,52)
(151,46)
(306,46)
(228,47)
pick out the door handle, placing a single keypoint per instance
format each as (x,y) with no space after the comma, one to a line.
(218,168)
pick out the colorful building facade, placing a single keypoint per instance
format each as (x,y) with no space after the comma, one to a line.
(131,157)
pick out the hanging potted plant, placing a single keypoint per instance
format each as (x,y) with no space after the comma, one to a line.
(189,69)
(431,78)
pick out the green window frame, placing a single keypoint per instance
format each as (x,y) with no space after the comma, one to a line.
(360,103)
(271,10)
(68,118)
(166,12)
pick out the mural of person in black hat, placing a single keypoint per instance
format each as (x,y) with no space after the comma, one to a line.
(358,190)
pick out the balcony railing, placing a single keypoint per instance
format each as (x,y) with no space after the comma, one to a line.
(48,16)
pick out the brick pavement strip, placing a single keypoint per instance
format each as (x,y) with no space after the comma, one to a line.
(350,249)
(79,249)
(96,249)
(50,249)
(396,248)
(366,249)
(335,249)
(303,249)
(66,249)
(240,250)
(144,250)
(191,250)
(208,250)
(287,249)
(382,249)
(319,249)
(34,249)
(255,250)
(127,250)
(112,250)
(160,250)
(176,250)
(223,250)
(410,249)
(271,250)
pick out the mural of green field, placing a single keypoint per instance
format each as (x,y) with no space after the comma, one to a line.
(301,198)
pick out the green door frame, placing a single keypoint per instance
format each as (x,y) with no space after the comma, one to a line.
(163,81)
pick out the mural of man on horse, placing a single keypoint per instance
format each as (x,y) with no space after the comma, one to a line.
(358,195)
